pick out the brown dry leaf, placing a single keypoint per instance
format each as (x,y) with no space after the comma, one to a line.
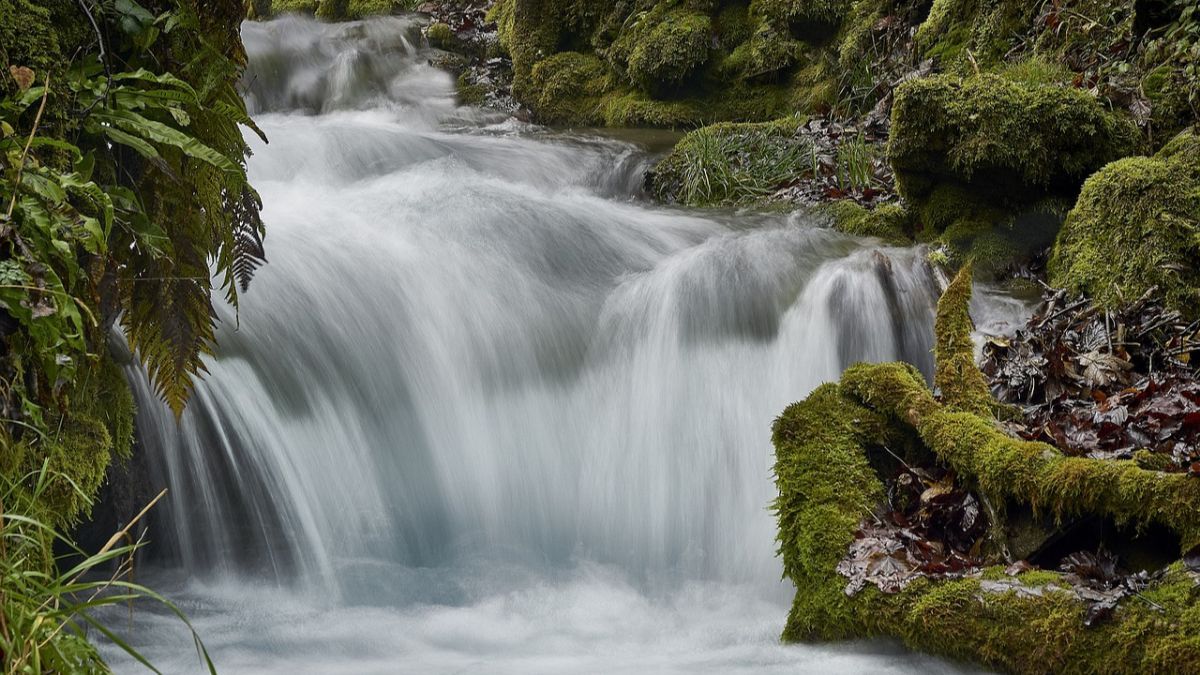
(24,76)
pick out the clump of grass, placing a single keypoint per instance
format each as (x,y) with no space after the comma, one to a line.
(48,601)
(730,164)
(855,163)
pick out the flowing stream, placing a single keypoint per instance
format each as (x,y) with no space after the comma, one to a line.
(487,410)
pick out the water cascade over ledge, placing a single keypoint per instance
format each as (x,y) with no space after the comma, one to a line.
(486,410)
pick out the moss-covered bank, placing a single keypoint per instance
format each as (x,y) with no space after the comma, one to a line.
(1030,622)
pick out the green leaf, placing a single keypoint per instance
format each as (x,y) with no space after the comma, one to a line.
(142,147)
(166,135)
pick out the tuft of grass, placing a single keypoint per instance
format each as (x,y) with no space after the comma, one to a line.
(855,163)
(732,164)
(49,601)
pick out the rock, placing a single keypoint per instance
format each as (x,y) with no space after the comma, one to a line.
(1136,226)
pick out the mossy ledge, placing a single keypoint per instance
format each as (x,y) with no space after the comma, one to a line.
(827,487)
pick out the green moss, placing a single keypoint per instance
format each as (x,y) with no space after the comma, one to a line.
(439,33)
(470,93)
(763,56)
(332,10)
(999,133)
(568,88)
(734,25)
(789,13)
(826,486)
(663,48)
(889,222)
(358,9)
(292,7)
(1136,226)
(1031,624)
(96,427)
(961,384)
(1027,472)
(957,32)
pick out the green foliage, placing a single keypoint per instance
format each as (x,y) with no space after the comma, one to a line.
(567,88)
(99,223)
(122,186)
(727,164)
(1135,227)
(49,600)
(787,13)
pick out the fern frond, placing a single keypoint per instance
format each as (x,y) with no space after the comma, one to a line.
(170,324)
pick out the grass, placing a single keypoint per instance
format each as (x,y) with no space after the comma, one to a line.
(730,164)
(49,601)
(855,163)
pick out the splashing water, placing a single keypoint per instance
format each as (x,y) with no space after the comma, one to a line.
(485,410)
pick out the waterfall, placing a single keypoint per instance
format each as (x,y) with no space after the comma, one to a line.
(488,398)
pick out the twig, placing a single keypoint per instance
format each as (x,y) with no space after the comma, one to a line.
(37,121)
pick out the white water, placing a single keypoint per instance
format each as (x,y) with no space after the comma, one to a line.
(486,411)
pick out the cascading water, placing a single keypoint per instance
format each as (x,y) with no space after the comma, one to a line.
(487,412)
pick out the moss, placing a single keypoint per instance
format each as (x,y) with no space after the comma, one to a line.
(1136,226)
(532,30)
(1028,472)
(1031,624)
(993,131)
(95,428)
(764,55)
(957,32)
(961,384)
(470,93)
(439,33)
(567,88)
(889,222)
(358,9)
(663,48)
(826,486)
(332,10)
(293,7)
(789,13)
(734,25)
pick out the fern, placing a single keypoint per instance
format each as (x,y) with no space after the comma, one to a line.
(143,188)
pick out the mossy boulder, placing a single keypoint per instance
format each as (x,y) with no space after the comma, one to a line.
(790,13)
(1000,135)
(332,10)
(439,33)
(1136,226)
(889,222)
(663,48)
(959,32)
(568,88)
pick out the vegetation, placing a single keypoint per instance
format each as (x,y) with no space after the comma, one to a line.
(50,601)
(329,10)
(999,134)
(1136,227)
(729,164)
(122,187)
(826,449)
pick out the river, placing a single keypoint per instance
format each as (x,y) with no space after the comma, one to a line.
(487,410)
